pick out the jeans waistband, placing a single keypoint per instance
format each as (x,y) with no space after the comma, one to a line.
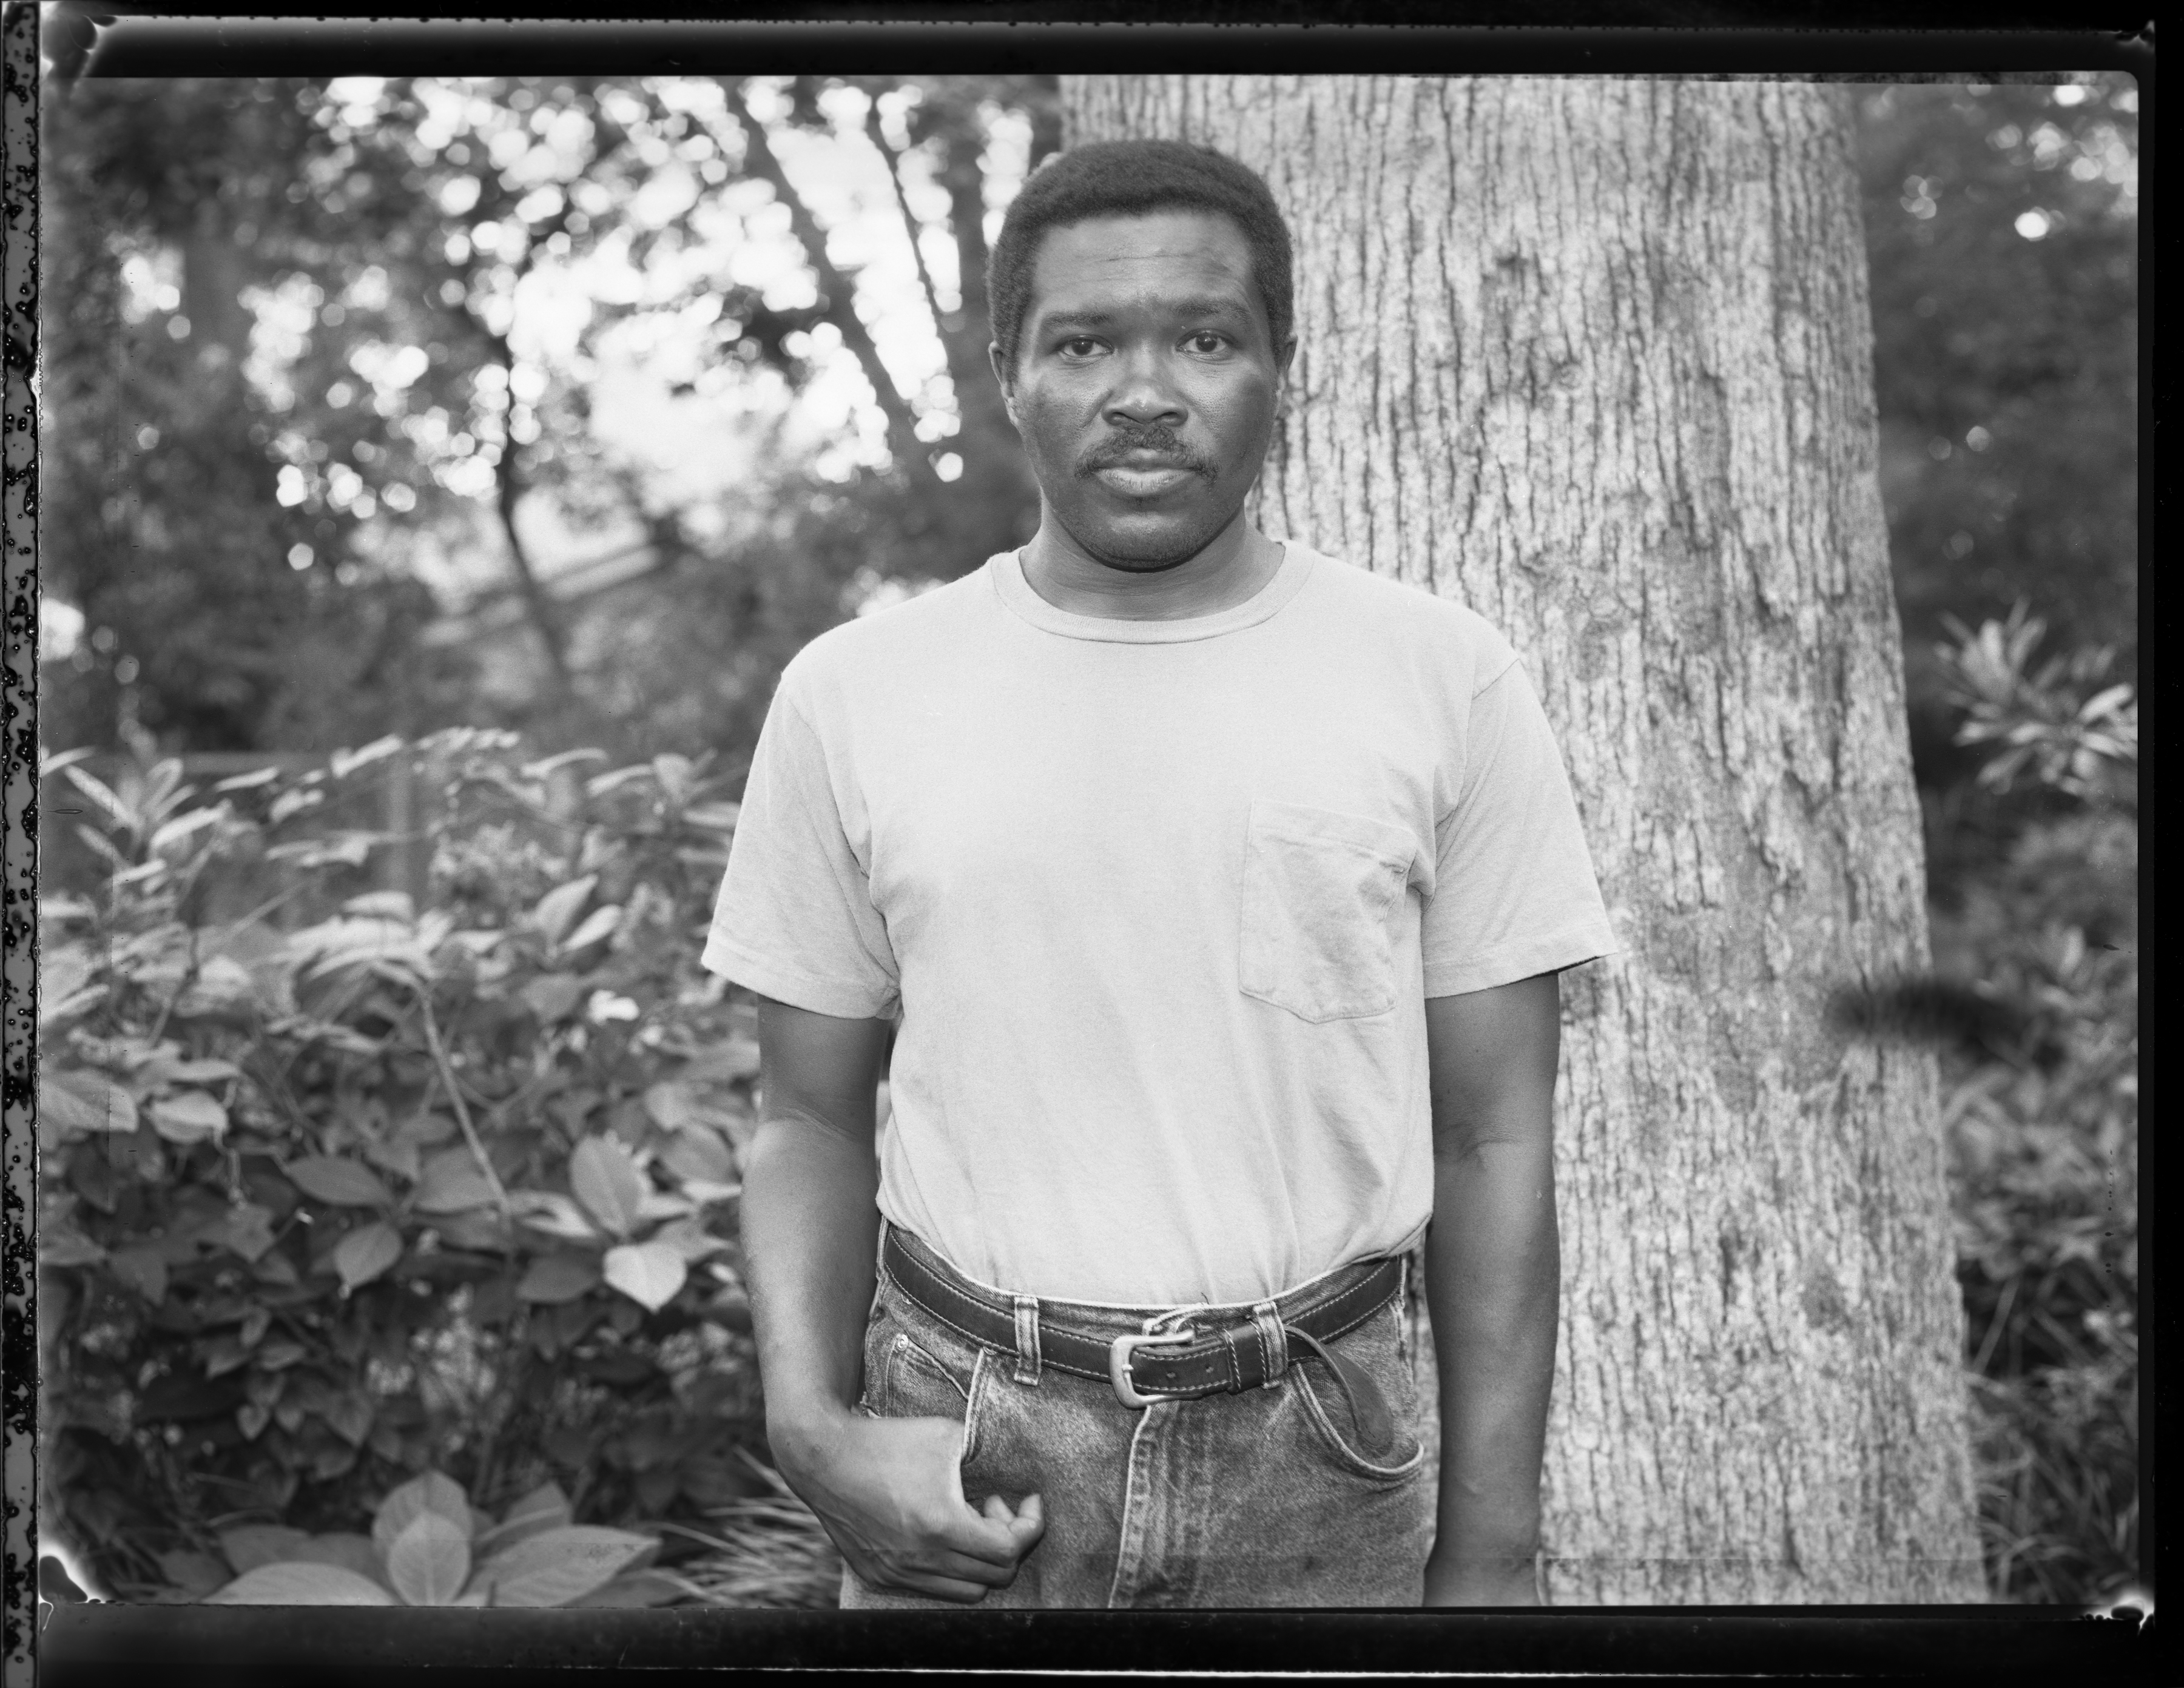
(1153,1353)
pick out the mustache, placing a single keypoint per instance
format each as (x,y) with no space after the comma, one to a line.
(1158,437)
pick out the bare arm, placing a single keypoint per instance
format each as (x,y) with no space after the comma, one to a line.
(889,1492)
(1493,1273)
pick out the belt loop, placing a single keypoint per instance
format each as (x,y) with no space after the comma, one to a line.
(1273,1339)
(1027,1358)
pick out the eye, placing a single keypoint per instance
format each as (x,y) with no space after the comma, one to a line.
(1206,340)
(1080,346)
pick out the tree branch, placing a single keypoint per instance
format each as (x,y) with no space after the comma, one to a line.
(908,449)
(878,136)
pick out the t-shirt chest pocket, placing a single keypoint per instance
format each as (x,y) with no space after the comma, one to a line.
(1320,890)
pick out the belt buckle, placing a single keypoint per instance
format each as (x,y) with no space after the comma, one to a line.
(1118,1363)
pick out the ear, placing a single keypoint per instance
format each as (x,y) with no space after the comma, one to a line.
(1004,376)
(1285,357)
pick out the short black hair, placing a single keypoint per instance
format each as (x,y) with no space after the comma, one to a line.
(1128,178)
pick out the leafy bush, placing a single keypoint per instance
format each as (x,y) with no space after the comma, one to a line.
(2043,1133)
(429,1547)
(336,1191)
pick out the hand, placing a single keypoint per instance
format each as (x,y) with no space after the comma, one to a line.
(890,1493)
(1482,1582)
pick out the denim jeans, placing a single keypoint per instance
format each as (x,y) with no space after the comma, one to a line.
(1259,1498)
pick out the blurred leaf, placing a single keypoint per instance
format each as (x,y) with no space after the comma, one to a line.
(554,996)
(699,1154)
(248,1230)
(649,1273)
(344,763)
(558,1566)
(556,1277)
(431,1492)
(343,1184)
(448,1187)
(188,1117)
(143,1268)
(194,1573)
(554,1213)
(301,1584)
(559,907)
(542,1508)
(249,1545)
(429,1560)
(607,1182)
(366,1253)
(598,924)
(348,1550)
(81,1100)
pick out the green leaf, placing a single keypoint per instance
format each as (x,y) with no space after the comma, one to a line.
(557,908)
(557,1567)
(432,1492)
(188,1117)
(343,1184)
(248,1545)
(298,1583)
(81,1100)
(429,1560)
(553,1279)
(366,1253)
(649,1273)
(598,924)
(606,1181)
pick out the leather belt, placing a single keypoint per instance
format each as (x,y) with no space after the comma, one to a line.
(1213,1349)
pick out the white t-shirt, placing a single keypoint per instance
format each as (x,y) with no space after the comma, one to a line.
(1159,904)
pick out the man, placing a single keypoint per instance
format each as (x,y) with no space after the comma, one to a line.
(1220,889)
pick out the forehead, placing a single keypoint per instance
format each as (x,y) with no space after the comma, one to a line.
(1119,261)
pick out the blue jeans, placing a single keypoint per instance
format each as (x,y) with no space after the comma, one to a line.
(1253,1499)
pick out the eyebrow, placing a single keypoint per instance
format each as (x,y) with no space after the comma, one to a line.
(1203,304)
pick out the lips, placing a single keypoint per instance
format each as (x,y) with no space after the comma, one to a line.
(1133,480)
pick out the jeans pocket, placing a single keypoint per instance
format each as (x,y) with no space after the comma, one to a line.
(1319,894)
(1375,1347)
(914,1370)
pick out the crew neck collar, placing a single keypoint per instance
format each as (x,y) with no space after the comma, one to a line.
(1017,592)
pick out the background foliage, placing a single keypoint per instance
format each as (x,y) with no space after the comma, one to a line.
(346,1186)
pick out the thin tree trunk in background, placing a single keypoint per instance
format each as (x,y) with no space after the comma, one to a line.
(1594,357)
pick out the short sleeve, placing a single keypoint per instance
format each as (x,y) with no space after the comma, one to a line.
(794,920)
(1515,893)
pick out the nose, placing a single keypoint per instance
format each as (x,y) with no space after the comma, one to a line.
(1144,393)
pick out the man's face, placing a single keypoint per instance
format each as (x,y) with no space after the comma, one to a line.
(1146,382)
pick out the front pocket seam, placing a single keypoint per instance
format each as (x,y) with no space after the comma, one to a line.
(1348,1456)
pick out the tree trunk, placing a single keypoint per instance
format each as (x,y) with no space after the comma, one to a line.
(1594,357)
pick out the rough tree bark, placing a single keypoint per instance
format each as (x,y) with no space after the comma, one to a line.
(1594,357)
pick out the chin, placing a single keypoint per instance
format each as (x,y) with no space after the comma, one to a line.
(1149,547)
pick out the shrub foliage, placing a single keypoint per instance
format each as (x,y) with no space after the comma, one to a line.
(337,1191)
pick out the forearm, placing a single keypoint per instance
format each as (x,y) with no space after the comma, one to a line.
(1493,1270)
(811,1229)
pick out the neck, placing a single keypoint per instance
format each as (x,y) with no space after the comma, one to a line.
(1229,569)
